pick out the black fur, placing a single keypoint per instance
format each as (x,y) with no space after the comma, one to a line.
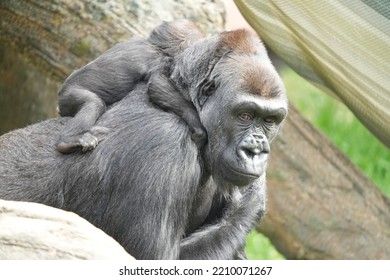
(106,80)
(141,192)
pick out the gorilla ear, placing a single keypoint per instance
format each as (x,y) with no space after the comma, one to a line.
(207,89)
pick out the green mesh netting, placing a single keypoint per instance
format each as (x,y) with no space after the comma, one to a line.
(341,46)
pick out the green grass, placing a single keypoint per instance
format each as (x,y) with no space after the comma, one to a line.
(259,247)
(336,121)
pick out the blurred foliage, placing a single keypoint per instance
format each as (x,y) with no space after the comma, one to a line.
(259,247)
(337,122)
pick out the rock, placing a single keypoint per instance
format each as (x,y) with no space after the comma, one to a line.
(31,231)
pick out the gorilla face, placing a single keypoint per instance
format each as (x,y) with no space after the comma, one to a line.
(253,124)
(241,115)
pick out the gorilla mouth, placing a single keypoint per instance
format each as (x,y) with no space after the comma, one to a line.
(240,172)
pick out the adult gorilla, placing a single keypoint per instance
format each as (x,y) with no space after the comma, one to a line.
(146,184)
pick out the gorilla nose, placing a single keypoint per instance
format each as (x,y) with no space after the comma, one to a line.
(253,146)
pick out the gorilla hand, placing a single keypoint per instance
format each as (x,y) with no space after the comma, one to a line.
(245,206)
(225,238)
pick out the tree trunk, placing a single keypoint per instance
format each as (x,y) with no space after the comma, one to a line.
(320,205)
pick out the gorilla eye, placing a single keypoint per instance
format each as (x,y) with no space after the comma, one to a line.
(270,120)
(246,117)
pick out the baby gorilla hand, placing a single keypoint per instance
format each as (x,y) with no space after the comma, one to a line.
(199,136)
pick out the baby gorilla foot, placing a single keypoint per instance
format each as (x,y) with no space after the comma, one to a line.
(67,148)
(86,141)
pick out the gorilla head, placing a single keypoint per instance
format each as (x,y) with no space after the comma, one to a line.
(232,72)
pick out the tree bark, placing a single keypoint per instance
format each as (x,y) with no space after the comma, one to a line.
(320,205)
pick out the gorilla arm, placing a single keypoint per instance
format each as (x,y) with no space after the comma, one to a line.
(225,237)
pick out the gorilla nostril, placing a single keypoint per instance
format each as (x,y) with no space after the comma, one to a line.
(258,137)
(252,146)
(250,152)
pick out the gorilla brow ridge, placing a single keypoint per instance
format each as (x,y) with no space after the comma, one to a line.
(262,82)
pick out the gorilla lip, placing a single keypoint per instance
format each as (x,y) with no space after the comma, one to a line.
(252,175)
(241,173)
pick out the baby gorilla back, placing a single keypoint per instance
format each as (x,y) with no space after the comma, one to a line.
(111,76)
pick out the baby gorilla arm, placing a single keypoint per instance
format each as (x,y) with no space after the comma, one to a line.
(165,95)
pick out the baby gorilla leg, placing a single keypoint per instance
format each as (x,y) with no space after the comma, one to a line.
(79,132)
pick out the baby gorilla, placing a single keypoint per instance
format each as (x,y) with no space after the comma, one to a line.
(87,92)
